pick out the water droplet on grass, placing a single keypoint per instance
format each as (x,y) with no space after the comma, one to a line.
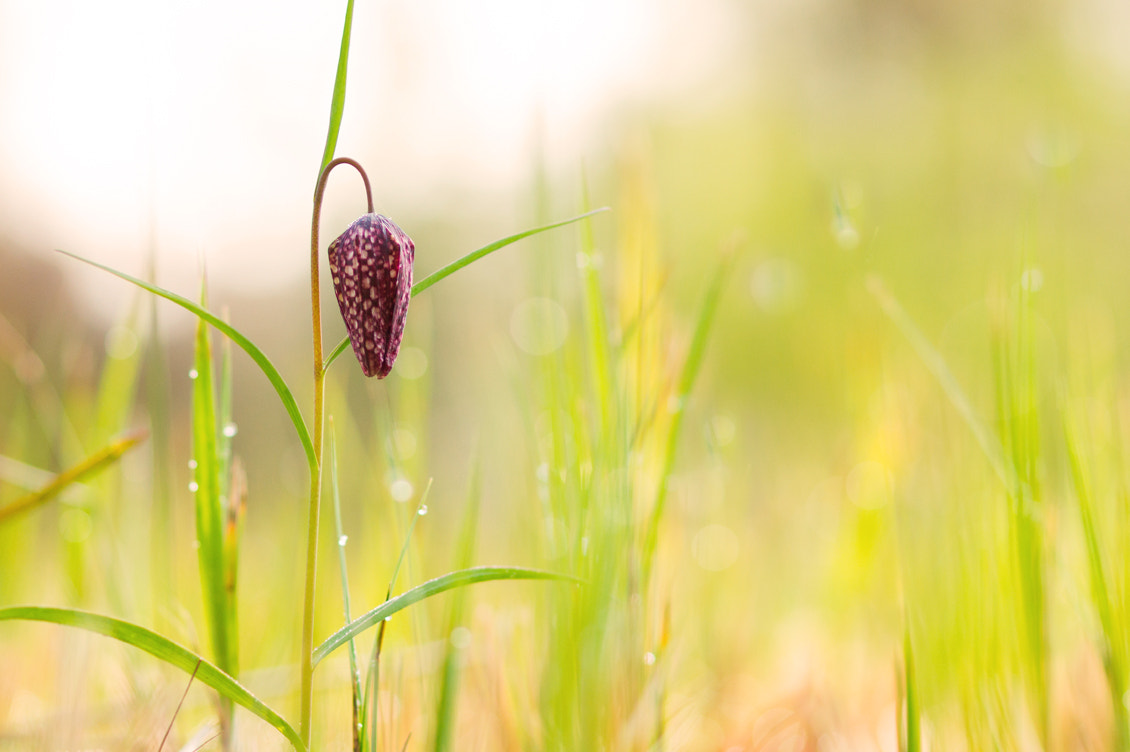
(649,658)
(422,510)
(342,540)
(193,373)
(192,464)
(231,430)
(193,487)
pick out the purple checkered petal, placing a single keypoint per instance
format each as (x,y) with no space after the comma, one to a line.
(371,263)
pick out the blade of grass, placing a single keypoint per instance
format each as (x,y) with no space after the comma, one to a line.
(206,496)
(595,318)
(225,426)
(945,378)
(1100,592)
(470,258)
(449,686)
(209,510)
(1017,399)
(910,687)
(93,464)
(176,712)
(372,683)
(343,569)
(161,648)
(233,495)
(683,388)
(436,586)
(117,384)
(43,398)
(337,104)
(158,401)
(257,355)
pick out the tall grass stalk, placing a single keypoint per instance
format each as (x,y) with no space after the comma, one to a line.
(1014,367)
(343,569)
(1013,451)
(307,665)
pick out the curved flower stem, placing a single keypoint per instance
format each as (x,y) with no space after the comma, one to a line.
(307,695)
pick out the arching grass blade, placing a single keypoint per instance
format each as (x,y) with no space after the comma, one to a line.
(257,355)
(88,467)
(337,104)
(441,584)
(467,260)
(159,647)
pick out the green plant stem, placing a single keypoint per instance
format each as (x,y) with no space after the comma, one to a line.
(307,690)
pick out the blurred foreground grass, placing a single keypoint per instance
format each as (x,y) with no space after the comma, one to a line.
(854,492)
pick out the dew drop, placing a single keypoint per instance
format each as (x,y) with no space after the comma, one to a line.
(230,430)
(192,464)
(193,373)
(193,487)
(342,540)
(422,510)
(649,658)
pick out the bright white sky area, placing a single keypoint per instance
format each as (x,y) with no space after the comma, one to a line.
(203,122)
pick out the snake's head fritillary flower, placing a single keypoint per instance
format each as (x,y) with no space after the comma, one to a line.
(371,264)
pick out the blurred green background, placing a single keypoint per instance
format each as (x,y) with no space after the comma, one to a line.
(831,516)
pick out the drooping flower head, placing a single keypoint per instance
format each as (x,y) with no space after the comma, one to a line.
(371,263)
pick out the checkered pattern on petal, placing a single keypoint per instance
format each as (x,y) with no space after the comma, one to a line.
(371,263)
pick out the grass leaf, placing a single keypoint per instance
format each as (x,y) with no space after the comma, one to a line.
(236,336)
(467,260)
(337,104)
(440,584)
(93,464)
(207,500)
(343,569)
(159,647)
(687,378)
(945,378)
(452,664)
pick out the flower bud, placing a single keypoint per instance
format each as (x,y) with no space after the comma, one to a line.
(371,263)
